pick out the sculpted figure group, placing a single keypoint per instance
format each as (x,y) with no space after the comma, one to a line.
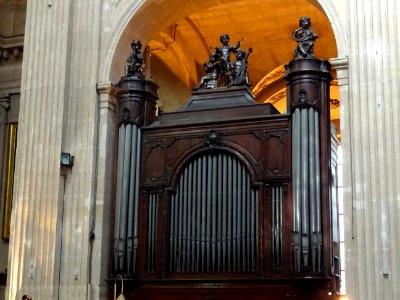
(221,71)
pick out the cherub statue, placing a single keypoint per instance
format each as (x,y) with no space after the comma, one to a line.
(211,67)
(305,38)
(224,53)
(135,61)
(239,74)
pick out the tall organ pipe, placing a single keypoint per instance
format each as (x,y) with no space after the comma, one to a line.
(318,192)
(216,208)
(127,198)
(296,162)
(308,103)
(118,204)
(131,199)
(136,99)
(306,190)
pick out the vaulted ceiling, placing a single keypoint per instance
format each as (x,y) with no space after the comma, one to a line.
(180,49)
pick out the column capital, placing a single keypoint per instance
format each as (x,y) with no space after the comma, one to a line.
(341,65)
(106,92)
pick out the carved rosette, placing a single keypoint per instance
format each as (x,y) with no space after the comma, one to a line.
(213,138)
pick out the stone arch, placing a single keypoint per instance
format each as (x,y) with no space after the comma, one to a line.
(130,19)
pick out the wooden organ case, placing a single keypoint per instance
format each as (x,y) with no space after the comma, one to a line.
(227,198)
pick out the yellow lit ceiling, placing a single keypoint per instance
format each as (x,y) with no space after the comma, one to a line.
(180,49)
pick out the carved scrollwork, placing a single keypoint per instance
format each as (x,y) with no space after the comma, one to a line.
(277,173)
(258,135)
(260,166)
(281,134)
(168,172)
(155,181)
(171,142)
(152,144)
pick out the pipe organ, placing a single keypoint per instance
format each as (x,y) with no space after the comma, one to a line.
(227,198)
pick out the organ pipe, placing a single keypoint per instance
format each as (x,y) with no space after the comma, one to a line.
(127,198)
(308,103)
(307,235)
(218,231)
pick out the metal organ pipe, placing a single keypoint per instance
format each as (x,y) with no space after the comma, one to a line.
(118,203)
(216,208)
(307,235)
(127,198)
(318,191)
(131,201)
(277,199)
(296,163)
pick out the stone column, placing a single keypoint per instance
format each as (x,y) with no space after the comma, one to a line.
(34,255)
(102,232)
(54,212)
(373,257)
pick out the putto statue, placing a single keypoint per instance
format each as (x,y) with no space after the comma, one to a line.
(211,67)
(221,71)
(135,61)
(238,73)
(305,38)
(224,53)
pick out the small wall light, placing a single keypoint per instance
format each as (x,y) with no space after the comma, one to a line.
(66,160)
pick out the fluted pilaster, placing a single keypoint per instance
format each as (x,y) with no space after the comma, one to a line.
(104,190)
(373,259)
(37,209)
(54,212)
(81,140)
